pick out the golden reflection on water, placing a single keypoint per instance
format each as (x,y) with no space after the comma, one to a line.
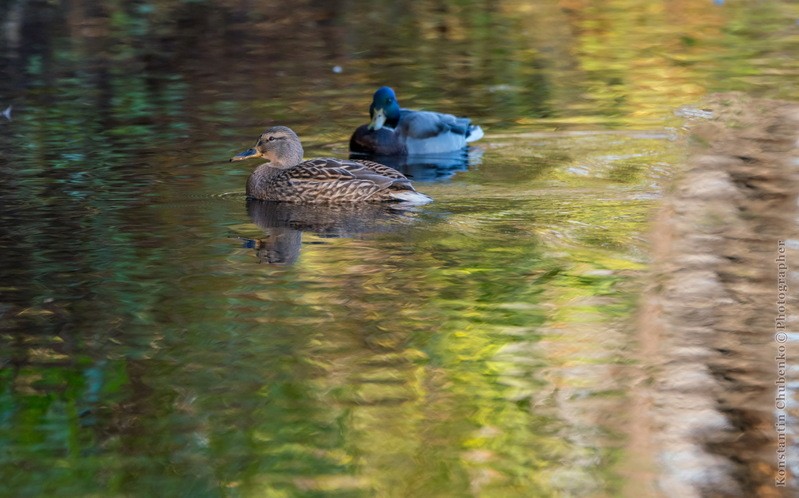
(482,344)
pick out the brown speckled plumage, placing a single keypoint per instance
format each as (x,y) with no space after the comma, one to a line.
(287,178)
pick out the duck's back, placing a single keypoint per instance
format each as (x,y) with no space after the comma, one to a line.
(329,180)
(425,132)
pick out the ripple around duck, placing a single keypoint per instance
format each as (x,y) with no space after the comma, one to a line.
(203,198)
(237,195)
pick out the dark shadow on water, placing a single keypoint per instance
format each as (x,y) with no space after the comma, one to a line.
(283,224)
(431,167)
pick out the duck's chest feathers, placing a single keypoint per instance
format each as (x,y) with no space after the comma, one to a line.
(261,179)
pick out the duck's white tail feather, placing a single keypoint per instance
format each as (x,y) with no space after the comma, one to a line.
(410,196)
(475,133)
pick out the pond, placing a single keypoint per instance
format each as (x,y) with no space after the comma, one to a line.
(161,336)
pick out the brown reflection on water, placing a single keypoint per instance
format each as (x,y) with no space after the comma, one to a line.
(710,323)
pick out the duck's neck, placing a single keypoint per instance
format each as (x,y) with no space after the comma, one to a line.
(261,177)
(392,120)
(286,154)
(267,170)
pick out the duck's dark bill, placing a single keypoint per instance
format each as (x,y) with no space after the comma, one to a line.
(245,155)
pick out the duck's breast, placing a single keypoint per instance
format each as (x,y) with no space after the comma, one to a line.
(383,141)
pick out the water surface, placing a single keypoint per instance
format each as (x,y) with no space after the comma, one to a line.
(160,336)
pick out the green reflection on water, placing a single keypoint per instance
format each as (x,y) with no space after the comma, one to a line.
(478,349)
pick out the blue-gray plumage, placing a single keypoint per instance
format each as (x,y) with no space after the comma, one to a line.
(396,131)
(287,178)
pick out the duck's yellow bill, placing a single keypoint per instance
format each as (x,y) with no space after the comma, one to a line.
(378,120)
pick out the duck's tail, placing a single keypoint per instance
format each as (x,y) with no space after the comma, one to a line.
(410,197)
(475,133)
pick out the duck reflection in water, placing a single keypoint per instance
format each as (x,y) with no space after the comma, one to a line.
(283,224)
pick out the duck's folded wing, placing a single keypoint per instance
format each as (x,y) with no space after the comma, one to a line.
(380,169)
(381,174)
(425,124)
(337,170)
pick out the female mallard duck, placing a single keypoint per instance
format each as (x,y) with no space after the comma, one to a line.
(395,131)
(287,178)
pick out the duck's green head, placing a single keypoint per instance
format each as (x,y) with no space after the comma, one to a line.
(279,145)
(385,110)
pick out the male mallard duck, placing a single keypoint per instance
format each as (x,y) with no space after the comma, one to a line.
(286,177)
(395,131)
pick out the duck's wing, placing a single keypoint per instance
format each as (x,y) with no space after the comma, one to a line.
(426,124)
(380,169)
(347,169)
(339,172)
(330,180)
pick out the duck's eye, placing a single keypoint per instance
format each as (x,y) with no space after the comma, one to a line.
(271,139)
